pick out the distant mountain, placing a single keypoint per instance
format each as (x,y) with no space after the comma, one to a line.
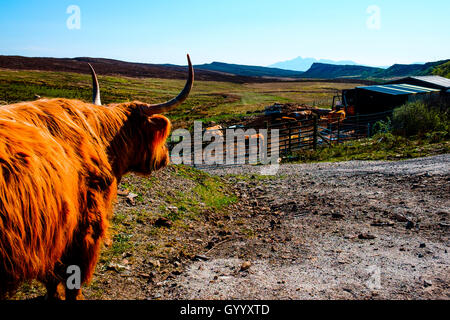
(331,71)
(303,64)
(250,71)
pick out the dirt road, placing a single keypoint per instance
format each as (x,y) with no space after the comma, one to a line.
(352,230)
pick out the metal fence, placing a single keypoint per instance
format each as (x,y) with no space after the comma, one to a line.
(309,134)
(293,137)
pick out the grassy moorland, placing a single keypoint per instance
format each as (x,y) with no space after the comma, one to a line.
(209,100)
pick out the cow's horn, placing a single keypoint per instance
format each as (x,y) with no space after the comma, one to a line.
(95,88)
(169,105)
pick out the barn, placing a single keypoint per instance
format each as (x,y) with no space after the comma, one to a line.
(379,98)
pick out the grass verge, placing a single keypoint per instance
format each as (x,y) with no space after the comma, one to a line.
(383,146)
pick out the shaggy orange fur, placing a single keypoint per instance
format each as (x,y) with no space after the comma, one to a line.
(60,163)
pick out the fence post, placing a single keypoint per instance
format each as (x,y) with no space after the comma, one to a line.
(315,134)
(369,133)
(290,139)
(339,131)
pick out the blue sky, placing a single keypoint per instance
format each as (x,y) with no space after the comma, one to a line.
(255,32)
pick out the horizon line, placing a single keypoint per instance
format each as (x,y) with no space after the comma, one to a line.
(214,61)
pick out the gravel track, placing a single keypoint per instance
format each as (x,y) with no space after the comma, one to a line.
(350,230)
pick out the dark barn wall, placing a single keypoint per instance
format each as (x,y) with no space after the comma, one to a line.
(367,102)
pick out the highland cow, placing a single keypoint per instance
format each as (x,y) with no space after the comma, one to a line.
(60,163)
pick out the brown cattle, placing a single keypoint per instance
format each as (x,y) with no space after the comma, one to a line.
(335,116)
(60,163)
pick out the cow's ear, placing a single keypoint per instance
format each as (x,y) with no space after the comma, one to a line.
(159,127)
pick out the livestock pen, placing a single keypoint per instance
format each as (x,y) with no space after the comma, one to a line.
(291,137)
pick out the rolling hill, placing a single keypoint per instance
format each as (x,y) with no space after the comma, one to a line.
(331,71)
(252,71)
(218,71)
(442,70)
(404,70)
(116,67)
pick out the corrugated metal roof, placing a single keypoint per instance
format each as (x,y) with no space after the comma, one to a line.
(432,81)
(437,80)
(398,89)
